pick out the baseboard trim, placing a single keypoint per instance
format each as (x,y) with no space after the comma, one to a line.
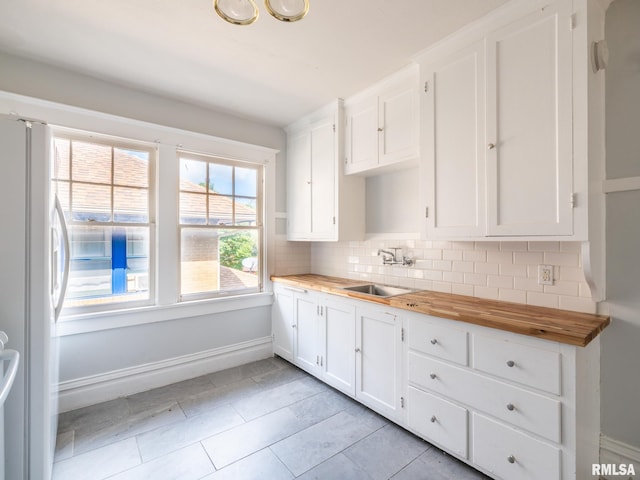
(616,452)
(94,389)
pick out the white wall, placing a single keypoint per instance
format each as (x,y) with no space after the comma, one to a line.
(620,341)
(92,356)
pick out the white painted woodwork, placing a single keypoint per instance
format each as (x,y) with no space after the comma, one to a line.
(283,322)
(453,116)
(498,129)
(529,120)
(552,430)
(378,361)
(322,205)
(442,422)
(536,413)
(382,124)
(298,185)
(361,143)
(339,358)
(306,351)
(519,363)
(494,443)
(434,337)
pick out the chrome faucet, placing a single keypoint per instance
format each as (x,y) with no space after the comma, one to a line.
(391,258)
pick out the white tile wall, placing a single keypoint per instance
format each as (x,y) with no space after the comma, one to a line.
(291,257)
(496,270)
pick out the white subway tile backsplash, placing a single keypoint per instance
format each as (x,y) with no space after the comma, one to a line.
(498,270)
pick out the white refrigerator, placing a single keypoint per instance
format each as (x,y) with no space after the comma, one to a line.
(32,278)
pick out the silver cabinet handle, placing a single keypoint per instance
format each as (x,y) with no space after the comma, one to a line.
(510,407)
(511,459)
(433,376)
(491,146)
(380,129)
(434,341)
(433,419)
(511,363)
(357,350)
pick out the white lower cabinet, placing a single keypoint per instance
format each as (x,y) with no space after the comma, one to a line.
(513,406)
(511,454)
(442,422)
(379,361)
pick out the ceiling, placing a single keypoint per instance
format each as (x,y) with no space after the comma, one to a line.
(271,71)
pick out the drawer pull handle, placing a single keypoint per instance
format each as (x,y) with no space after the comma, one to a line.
(511,459)
(433,419)
(511,363)
(510,407)
(433,376)
(357,350)
(434,341)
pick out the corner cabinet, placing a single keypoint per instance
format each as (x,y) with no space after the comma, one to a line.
(382,124)
(321,204)
(497,129)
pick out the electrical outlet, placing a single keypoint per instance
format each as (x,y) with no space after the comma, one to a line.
(545,274)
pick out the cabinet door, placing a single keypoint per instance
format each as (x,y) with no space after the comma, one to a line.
(453,112)
(306,350)
(283,322)
(339,359)
(529,125)
(362,136)
(398,121)
(299,186)
(378,361)
(323,179)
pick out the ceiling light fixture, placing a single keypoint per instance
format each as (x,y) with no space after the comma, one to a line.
(245,12)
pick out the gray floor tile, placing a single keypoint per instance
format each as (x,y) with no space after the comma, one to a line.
(189,463)
(169,394)
(314,445)
(172,437)
(100,463)
(434,464)
(337,467)
(284,374)
(243,440)
(64,446)
(137,423)
(223,395)
(94,416)
(262,465)
(386,451)
(272,399)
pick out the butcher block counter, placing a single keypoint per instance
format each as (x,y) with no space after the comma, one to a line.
(562,326)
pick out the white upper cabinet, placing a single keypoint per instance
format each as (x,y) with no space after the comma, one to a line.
(453,115)
(529,106)
(322,205)
(497,129)
(382,124)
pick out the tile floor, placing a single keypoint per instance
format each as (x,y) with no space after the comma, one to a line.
(265,420)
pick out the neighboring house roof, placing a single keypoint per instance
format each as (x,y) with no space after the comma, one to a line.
(231,279)
(92,163)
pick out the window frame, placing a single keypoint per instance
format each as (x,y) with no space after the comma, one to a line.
(113,142)
(260,169)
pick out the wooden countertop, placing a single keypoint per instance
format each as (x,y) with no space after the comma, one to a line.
(562,326)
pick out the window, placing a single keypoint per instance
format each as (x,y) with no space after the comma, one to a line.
(220,225)
(104,188)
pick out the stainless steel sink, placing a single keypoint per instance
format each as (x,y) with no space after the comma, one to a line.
(376,290)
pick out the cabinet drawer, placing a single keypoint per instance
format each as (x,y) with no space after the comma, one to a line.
(530,366)
(537,413)
(438,420)
(438,340)
(510,454)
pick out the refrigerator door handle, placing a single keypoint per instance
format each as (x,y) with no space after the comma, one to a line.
(10,374)
(66,253)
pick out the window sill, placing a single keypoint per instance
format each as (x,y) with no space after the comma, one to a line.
(94,322)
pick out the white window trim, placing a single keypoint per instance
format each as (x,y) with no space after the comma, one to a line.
(168,140)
